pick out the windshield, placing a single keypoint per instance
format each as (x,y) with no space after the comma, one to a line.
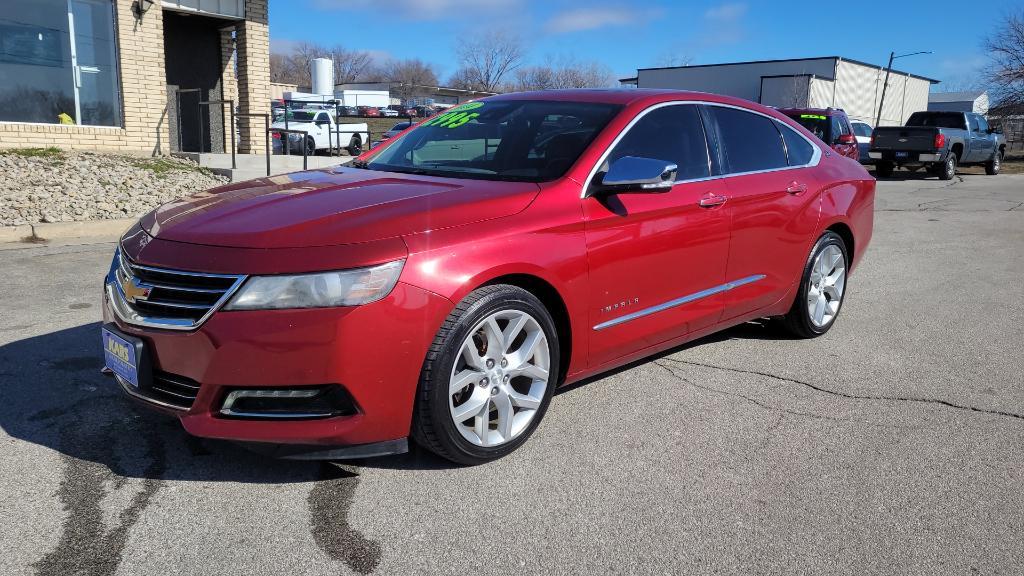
(938,120)
(816,123)
(522,141)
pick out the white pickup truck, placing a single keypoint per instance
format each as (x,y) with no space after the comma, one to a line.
(322,129)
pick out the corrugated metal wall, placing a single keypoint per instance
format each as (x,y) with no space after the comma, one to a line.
(742,80)
(859,90)
(821,93)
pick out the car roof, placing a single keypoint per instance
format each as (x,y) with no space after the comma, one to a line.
(820,111)
(624,96)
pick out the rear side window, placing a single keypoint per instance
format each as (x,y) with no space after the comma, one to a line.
(750,141)
(861,129)
(799,150)
(671,133)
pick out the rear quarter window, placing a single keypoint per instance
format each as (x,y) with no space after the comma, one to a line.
(799,150)
(750,142)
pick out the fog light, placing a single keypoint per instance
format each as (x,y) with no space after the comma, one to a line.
(295,403)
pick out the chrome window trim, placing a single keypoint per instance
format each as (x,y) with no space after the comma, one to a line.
(119,304)
(680,301)
(815,157)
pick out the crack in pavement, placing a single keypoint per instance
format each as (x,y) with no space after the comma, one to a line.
(848,396)
(753,401)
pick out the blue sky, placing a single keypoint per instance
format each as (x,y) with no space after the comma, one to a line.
(625,35)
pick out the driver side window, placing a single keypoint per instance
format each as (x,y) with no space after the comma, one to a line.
(672,133)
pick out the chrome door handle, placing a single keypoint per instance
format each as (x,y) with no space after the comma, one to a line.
(711,200)
(796,188)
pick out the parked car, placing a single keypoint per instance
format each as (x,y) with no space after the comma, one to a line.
(348,111)
(830,125)
(939,141)
(862,131)
(389,112)
(394,131)
(411,111)
(322,132)
(425,111)
(368,111)
(444,286)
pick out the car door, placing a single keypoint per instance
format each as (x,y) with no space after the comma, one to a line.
(321,129)
(774,205)
(981,141)
(657,259)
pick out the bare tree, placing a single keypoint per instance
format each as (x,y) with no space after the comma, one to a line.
(567,74)
(1005,48)
(673,57)
(487,58)
(408,76)
(294,67)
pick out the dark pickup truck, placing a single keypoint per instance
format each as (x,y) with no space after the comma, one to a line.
(940,141)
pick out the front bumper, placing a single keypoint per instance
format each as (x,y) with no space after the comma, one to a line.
(374,352)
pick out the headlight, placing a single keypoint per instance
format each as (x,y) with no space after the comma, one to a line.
(322,290)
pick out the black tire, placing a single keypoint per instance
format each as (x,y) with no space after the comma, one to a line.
(947,170)
(310,146)
(994,164)
(355,146)
(432,426)
(798,320)
(884,169)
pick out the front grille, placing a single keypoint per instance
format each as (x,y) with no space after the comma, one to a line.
(175,299)
(173,389)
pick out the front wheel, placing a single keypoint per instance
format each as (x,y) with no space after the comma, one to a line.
(488,377)
(310,146)
(994,164)
(822,288)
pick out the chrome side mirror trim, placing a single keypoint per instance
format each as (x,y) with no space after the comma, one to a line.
(634,172)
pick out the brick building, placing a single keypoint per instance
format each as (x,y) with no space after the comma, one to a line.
(105,75)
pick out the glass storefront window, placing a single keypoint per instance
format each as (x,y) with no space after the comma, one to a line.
(58,62)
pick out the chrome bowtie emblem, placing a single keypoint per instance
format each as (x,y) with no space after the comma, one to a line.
(134,290)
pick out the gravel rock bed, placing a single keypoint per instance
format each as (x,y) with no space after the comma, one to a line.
(50,185)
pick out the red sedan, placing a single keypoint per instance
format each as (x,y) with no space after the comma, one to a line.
(442,286)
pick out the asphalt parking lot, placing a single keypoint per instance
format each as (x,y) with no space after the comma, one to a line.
(893,445)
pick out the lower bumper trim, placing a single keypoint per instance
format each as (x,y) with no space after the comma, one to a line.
(313,452)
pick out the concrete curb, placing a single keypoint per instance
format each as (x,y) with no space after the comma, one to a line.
(62,230)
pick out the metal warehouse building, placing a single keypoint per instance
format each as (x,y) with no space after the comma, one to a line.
(834,81)
(974,101)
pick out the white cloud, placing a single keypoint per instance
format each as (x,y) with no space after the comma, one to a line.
(726,13)
(581,19)
(418,9)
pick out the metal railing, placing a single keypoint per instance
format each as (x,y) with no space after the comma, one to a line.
(286,144)
(266,133)
(231,125)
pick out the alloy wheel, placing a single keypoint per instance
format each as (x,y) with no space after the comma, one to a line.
(826,284)
(499,378)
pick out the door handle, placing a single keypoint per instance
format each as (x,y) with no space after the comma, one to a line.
(796,188)
(710,200)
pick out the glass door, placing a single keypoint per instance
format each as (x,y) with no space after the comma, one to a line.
(93,58)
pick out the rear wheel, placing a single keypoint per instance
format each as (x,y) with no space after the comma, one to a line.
(948,169)
(994,164)
(310,146)
(822,289)
(884,169)
(488,377)
(355,146)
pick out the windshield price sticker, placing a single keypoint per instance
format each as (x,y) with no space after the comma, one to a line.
(457,117)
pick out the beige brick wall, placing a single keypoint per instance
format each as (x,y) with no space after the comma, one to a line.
(252,40)
(144,97)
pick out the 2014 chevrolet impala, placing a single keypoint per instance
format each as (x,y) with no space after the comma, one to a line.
(442,286)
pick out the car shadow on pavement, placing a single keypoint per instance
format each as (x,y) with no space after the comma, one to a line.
(52,394)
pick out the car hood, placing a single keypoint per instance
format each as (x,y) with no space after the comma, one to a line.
(330,207)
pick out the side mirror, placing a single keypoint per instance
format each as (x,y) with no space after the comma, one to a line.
(635,174)
(846,139)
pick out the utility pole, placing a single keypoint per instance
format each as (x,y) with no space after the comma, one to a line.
(888,70)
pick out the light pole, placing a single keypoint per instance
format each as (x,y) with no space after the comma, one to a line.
(888,69)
